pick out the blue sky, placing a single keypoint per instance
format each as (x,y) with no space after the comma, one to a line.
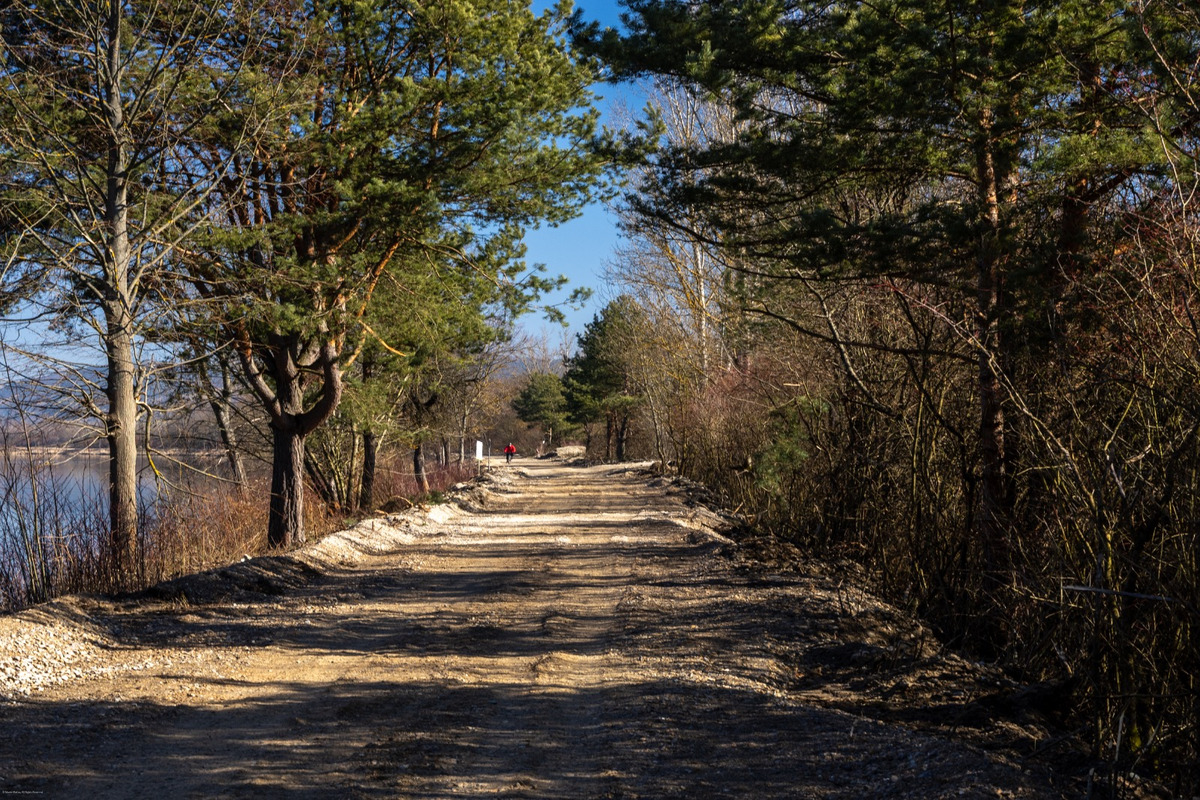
(580,248)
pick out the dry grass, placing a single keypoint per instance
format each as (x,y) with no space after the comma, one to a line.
(54,530)
(395,479)
(50,526)
(54,535)
(185,532)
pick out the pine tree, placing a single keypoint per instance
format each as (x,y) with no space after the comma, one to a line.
(964,145)
(432,134)
(541,402)
(598,379)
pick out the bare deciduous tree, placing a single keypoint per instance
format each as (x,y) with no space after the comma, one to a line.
(102,103)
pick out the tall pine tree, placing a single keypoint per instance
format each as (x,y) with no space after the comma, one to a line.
(431,134)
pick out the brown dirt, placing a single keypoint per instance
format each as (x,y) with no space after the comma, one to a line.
(561,632)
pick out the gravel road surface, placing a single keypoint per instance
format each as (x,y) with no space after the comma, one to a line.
(560,632)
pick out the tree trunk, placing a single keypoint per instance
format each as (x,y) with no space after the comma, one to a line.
(608,436)
(322,481)
(1076,204)
(419,468)
(702,311)
(366,495)
(290,422)
(121,419)
(993,507)
(220,407)
(233,456)
(121,433)
(285,527)
(462,438)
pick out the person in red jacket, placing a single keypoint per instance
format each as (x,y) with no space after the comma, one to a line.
(509,452)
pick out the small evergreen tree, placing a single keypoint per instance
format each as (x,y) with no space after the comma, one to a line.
(542,403)
(598,378)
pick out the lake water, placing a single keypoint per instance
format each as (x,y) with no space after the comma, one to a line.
(70,493)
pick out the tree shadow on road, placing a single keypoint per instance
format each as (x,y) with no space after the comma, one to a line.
(658,738)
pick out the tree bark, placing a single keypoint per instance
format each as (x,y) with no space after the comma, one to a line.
(121,420)
(609,424)
(121,434)
(462,436)
(993,514)
(366,495)
(289,362)
(285,522)
(419,468)
(285,527)
(220,403)
(237,471)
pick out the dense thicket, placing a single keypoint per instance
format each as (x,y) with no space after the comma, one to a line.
(947,254)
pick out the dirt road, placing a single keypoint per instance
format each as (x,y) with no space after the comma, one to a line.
(571,633)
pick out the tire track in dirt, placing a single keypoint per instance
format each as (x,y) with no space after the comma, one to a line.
(570,633)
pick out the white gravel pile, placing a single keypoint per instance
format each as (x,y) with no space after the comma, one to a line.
(375,536)
(35,655)
(54,643)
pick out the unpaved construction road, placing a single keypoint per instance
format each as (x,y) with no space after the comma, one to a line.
(564,632)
